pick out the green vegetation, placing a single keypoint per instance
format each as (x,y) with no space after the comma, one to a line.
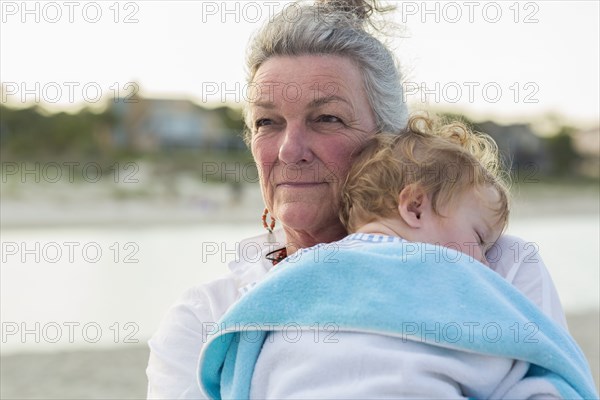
(562,152)
(33,135)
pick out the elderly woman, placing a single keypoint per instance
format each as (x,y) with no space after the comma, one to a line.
(321,86)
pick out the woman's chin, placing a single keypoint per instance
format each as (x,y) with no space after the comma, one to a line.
(302,216)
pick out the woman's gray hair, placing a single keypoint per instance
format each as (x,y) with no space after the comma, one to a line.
(337,27)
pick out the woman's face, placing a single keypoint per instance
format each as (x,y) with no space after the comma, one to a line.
(308,115)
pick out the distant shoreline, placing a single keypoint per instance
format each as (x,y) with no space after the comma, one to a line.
(190,202)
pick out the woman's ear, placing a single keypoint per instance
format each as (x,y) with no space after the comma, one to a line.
(413,204)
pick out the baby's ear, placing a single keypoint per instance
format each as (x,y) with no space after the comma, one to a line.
(413,204)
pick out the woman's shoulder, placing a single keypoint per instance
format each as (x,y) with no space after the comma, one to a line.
(187,325)
(519,262)
(510,253)
(210,299)
(248,266)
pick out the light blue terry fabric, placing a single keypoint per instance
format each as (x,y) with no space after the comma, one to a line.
(380,284)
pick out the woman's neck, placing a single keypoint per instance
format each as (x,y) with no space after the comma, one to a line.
(296,240)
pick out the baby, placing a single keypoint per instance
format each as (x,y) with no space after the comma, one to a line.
(432,184)
(405,305)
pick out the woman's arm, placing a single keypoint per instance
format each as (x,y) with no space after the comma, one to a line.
(175,347)
(519,262)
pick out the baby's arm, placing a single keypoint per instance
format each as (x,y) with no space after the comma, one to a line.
(520,264)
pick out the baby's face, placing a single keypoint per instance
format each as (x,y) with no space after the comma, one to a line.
(470,224)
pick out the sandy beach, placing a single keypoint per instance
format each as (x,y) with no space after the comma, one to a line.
(120,373)
(184,200)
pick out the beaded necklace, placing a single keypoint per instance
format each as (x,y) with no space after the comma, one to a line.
(276,256)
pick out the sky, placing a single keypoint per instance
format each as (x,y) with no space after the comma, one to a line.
(506,60)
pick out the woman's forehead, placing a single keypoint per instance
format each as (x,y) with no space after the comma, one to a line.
(307,79)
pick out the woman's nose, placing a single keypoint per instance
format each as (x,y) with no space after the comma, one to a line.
(296,146)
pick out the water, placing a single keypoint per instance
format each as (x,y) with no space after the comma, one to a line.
(569,246)
(118,296)
(97,287)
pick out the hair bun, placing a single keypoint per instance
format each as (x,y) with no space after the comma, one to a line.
(361,9)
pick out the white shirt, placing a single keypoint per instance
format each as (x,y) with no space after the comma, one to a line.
(351,365)
(176,346)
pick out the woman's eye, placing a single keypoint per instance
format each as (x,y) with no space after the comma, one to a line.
(262,122)
(328,118)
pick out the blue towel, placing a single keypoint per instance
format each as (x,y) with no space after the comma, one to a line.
(395,288)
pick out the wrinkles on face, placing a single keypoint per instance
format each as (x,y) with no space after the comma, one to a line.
(309,116)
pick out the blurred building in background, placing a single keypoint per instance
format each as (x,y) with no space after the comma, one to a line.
(151,125)
(587,144)
(518,145)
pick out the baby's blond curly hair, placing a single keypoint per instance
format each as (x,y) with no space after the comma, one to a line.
(443,159)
